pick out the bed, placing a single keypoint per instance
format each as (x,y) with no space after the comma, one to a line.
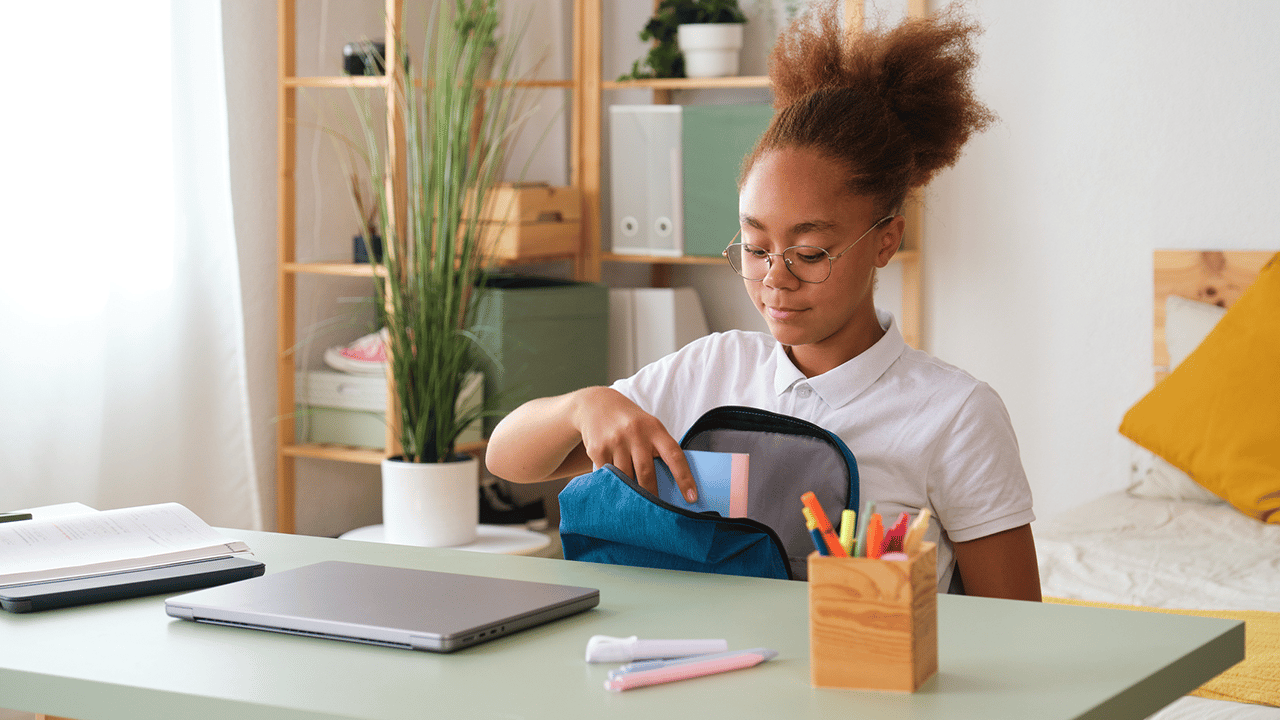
(1166,541)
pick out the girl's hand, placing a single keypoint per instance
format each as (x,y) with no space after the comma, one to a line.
(615,430)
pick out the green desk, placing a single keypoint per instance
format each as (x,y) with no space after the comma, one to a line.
(998,659)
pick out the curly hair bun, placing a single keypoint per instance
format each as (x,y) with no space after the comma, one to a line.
(895,105)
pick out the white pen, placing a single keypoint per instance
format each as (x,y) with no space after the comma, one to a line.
(687,668)
(602,648)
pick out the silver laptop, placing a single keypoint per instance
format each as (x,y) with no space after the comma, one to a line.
(396,607)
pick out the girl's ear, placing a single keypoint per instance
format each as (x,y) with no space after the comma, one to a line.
(890,240)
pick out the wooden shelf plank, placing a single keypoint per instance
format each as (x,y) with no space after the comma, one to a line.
(746,81)
(380,81)
(900,256)
(339,81)
(344,269)
(342,453)
(330,268)
(662,259)
(566,84)
(366,456)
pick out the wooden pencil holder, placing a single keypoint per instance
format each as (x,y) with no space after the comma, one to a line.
(873,624)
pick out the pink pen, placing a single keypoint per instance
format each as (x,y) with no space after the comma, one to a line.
(687,668)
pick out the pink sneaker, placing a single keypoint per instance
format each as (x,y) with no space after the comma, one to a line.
(366,356)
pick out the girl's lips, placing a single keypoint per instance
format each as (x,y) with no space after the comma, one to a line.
(781,313)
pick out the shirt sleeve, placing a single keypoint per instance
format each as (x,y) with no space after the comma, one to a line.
(678,388)
(977,480)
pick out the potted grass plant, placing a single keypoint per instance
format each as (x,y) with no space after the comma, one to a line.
(458,117)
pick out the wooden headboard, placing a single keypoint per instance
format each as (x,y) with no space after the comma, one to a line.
(1213,276)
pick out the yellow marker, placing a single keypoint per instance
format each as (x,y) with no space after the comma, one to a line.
(809,521)
(848,528)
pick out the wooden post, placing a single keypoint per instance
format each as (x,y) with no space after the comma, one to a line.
(287,282)
(585,149)
(397,181)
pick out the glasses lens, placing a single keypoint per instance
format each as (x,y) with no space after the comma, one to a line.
(810,264)
(749,261)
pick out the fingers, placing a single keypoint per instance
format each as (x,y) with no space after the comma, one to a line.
(645,475)
(614,430)
(675,460)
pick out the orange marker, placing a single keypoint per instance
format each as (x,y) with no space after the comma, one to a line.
(824,525)
(875,536)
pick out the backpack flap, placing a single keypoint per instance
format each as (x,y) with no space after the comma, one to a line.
(789,457)
(606,517)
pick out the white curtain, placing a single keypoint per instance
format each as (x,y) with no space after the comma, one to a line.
(122,361)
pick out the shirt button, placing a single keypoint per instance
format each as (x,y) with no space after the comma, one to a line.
(804,391)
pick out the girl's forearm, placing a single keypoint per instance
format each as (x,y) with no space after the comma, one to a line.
(537,441)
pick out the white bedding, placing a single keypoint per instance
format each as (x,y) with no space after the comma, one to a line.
(1165,553)
(1162,553)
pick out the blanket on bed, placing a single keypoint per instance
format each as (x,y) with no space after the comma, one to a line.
(1256,679)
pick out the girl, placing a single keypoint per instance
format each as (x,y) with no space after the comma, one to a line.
(861,121)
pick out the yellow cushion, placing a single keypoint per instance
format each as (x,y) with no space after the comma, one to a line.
(1217,416)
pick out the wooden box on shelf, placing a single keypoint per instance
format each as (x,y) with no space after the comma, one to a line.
(873,624)
(533,220)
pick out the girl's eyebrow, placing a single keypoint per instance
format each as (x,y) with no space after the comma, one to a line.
(800,228)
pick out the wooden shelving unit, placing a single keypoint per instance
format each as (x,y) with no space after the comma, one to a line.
(289,269)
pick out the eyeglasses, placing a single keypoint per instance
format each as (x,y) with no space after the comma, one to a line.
(808,263)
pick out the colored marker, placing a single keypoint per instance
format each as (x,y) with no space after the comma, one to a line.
(848,528)
(828,534)
(895,535)
(860,540)
(604,648)
(915,533)
(812,525)
(875,536)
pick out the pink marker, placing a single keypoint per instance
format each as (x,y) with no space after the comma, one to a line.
(686,668)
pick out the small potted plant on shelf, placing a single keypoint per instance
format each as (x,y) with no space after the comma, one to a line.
(456,132)
(692,38)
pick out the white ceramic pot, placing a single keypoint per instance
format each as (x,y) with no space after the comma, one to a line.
(710,49)
(431,504)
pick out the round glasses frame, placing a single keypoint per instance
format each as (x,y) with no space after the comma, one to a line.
(791,257)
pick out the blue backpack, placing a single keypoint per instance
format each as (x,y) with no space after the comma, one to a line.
(606,517)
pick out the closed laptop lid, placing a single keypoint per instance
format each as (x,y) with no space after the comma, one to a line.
(400,607)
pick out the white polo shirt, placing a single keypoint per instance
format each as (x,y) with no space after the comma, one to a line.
(924,433)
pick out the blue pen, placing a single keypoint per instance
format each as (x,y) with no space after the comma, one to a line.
(642,665)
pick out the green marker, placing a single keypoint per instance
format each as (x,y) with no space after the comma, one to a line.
(860,544)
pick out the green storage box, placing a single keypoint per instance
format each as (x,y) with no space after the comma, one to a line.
(542,337)
(715,139)
(340,408)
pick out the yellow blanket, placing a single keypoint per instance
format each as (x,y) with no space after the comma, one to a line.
(1256,679)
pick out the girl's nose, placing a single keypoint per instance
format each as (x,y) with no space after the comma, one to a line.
(779,276)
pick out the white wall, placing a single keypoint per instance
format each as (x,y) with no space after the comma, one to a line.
(1125,126)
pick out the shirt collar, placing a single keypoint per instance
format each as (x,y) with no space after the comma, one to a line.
(844,383)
